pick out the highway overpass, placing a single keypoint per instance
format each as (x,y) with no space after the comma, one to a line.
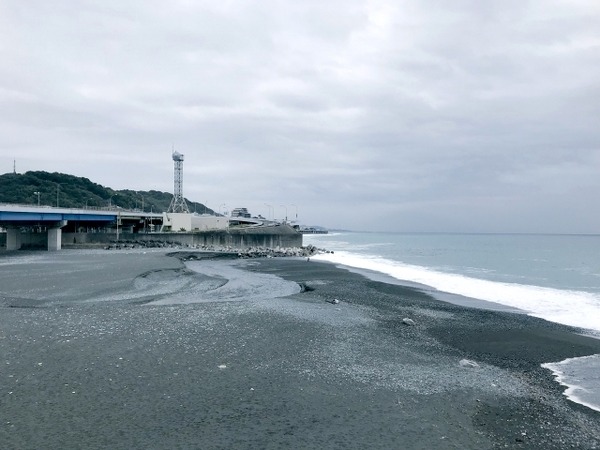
(22,219)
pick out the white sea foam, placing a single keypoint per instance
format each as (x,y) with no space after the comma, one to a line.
(581,376)
(575,308)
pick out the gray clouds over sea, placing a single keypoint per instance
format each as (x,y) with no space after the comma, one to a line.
(380,115)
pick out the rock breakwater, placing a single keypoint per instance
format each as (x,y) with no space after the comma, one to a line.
(250,252)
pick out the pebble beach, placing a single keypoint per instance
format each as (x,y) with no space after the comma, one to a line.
(149,348)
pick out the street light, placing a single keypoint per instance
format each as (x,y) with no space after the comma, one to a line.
(283,206)
(142,200)
(38,195)
(222,204)
(118,220)
(270,208)
(110,200)
(295,206)
(57,192)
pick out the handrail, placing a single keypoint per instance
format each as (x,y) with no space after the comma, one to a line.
(89,208)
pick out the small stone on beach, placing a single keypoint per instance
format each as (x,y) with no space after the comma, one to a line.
(468,363)
(407,321)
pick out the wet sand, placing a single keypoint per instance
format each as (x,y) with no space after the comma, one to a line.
(140,350)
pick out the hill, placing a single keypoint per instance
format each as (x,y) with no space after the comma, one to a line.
(68,191)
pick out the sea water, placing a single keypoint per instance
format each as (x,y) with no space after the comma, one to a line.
(554,277)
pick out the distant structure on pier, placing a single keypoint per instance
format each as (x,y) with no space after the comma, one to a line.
(178,204)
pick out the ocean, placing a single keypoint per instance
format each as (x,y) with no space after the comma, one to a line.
(554,277)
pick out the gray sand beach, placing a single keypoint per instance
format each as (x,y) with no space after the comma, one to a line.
(138,349)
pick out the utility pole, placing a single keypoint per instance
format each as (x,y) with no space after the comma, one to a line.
(269,211)
(142,200)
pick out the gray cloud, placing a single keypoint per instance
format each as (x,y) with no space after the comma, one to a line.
(468,116)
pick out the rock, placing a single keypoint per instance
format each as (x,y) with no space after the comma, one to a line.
(468,363)
(250,252)
(407,321)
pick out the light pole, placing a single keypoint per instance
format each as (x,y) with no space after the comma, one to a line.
(57,192)
(222,204)
(110,200)
(283,206)
(269,210)
(38,196)
(142,200)
(295,206)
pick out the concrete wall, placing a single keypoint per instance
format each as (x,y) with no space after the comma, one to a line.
(271,237)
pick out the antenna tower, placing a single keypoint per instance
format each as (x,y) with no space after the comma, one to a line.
(178,204)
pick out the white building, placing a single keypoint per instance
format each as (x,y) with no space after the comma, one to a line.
(193,222)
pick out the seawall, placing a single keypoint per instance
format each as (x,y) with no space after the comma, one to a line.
(269,237)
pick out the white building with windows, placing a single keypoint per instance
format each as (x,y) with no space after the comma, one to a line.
(193,222)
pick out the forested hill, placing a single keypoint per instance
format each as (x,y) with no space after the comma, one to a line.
(77,192)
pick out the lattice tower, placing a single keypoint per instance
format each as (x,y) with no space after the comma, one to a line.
(178,204)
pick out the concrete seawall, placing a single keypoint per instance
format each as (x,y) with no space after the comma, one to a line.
(269,237)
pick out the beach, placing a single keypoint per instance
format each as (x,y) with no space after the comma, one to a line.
(140,349)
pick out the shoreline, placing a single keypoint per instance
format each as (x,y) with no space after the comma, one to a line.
(572,382)
(572,339)
(456,299)
(95,360)
(546,302)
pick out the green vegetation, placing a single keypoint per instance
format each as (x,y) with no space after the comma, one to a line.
(77,192)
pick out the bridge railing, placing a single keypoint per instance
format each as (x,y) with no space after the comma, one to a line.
(115,209)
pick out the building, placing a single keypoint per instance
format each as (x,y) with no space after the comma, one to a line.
(174,222)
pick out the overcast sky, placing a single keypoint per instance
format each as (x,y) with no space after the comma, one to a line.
(405,115)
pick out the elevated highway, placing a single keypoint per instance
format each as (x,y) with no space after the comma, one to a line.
(22,219)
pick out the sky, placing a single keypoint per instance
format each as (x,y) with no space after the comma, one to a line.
(404,115)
